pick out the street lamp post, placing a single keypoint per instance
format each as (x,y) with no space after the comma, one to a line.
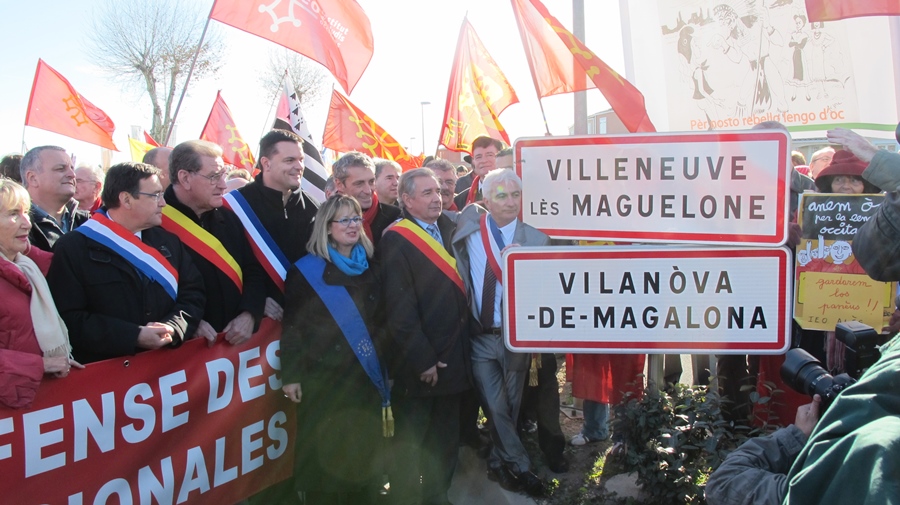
(423,125)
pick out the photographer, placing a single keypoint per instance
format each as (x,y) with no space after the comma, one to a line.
(756,473)
(853,455)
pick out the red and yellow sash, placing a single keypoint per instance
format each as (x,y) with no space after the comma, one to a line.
(203,243)
(432,250)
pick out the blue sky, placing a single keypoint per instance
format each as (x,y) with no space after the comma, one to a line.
(414,45)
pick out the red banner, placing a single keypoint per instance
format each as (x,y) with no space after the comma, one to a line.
(350,129)
(150,140)
(477,94)
(220,129)
(187,425)
(336,33)
(832,10)
(55,106)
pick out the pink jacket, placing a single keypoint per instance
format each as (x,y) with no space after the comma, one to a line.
(21,359)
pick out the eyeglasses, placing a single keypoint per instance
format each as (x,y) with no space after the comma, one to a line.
(156,196)
(215,176)
(485,156)
(345,222)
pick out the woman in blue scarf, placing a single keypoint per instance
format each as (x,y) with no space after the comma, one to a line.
(330,363)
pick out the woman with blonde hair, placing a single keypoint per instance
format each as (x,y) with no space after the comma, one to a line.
(330,362)
(33,338)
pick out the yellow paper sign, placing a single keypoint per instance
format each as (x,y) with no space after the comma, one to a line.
(826,299)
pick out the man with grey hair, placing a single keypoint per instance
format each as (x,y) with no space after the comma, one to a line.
(88,184)
(446,174)
(159,158)
(215,239)
(819,160)
(49,177)
(481,235)
(387,176)
(428,321)
(354,175)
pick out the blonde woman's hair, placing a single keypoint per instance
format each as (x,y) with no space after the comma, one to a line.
(320,239)
(13,195)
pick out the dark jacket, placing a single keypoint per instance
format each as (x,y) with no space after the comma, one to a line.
(224,301)
(427,317)
(45,231)
(104,301)
(290,225)
(339,418)
(386,215)
(877,243)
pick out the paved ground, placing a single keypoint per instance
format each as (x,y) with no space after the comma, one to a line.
(471,485)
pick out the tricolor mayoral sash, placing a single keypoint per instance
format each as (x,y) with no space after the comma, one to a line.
(346,315)
(203,243)
(432,250)
(492,241)
(273,261)
(147,260)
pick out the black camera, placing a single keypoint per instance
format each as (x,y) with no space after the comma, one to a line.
(805,374)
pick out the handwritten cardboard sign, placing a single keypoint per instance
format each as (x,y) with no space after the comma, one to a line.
(831,285)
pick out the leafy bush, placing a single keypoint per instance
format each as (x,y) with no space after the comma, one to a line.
(674,439)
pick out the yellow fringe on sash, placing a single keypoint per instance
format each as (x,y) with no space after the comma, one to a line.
(387,421)
(533,371)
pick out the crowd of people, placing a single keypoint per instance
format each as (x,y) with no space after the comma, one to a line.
(389,293)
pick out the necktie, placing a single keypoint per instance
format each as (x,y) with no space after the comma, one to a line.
(432,230)
(488,293)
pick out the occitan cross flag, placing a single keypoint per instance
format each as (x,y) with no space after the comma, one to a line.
(220,129)
(626,101)
(350,129)
(477,94)
(55,106)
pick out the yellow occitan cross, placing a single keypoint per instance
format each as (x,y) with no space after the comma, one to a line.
(79,111)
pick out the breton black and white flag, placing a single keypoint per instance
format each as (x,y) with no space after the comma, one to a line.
(290,117)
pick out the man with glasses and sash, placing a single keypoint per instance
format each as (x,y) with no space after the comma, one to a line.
(276,214)
(121,283)
(214,236)
(428,320)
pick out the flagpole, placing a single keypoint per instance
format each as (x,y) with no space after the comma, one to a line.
(23,139)
(190,72)
(273,101)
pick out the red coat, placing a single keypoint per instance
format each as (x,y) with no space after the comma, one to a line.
(21,359)
(604,378)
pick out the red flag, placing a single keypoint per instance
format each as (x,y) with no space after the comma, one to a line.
(55,106)
(221,130)
(477,94)
(350,129)
(336,33)
(626,101)
(553,67)
(150,140)
(832,10)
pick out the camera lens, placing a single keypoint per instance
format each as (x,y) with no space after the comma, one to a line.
(803,373)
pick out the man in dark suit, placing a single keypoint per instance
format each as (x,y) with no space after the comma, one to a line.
(428,320)
(214,236)
(354,175)
(121,283)
(481,235)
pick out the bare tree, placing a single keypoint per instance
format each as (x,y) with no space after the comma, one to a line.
(310,80)
(152,43)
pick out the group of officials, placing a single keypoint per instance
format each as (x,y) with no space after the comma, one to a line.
(394,306)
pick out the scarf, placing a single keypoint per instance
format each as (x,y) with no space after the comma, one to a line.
(49,328)
(356,264)
(369,216)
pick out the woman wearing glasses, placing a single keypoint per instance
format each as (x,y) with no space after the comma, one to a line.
(330,362)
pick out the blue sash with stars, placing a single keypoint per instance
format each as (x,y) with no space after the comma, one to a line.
(345,313)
